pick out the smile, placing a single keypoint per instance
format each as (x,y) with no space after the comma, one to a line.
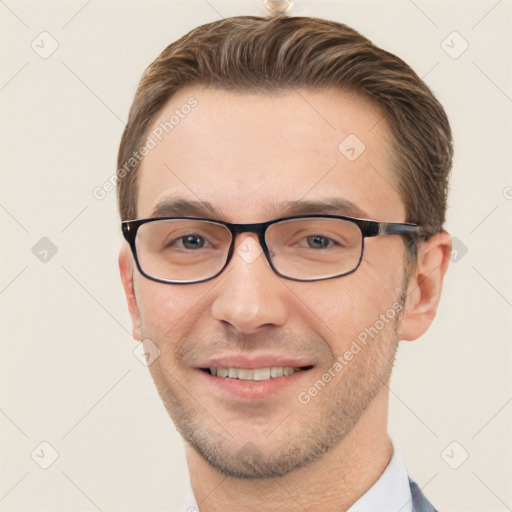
(254,373)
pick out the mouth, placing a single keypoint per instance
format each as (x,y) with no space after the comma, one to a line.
(254,374)
(255,377)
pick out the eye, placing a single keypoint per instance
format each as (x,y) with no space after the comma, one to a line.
(193,241)
(187,242)
(319,242)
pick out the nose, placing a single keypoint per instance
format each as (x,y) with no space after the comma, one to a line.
(250,296)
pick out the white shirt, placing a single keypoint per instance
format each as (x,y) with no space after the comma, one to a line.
(391,492)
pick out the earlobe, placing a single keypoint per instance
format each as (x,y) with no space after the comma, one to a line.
(425,286)
(126,270)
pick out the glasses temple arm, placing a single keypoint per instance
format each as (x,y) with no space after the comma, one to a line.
(396,228)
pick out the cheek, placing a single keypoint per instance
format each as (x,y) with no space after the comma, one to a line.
(346,306)
(167,311)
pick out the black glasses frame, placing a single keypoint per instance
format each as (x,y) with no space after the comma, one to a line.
(369,228)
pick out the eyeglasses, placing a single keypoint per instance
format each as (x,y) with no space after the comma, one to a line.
(186,250)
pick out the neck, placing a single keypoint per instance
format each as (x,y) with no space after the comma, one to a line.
(333,482)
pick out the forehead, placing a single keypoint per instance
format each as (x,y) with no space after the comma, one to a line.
(248,155)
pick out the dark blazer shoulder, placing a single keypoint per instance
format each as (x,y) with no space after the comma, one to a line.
(419,502)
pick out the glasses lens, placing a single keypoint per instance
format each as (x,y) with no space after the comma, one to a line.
(182,249)
(314,248)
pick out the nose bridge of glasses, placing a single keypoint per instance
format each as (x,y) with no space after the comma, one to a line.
(249,246)
(257,229)
(246,228)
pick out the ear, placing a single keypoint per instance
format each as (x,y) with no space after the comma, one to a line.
(425,285)
(126,270)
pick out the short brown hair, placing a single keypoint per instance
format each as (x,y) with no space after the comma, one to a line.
(265,55)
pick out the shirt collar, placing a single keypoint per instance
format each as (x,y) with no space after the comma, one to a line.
(390,492)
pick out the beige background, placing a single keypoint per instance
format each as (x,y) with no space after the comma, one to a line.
(68,373)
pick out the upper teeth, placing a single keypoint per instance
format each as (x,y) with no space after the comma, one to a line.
(254,373)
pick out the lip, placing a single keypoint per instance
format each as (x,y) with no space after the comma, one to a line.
(253,390)
(256,361)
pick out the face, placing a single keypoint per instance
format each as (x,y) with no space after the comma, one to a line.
(249,156)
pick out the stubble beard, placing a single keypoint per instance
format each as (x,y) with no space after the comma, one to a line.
(309,433)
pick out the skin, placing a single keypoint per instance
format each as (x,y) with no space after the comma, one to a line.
(246,154)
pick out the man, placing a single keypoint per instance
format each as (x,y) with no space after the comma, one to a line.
(272,343)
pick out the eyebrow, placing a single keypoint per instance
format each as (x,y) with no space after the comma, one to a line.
(329,205)
(179,207)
